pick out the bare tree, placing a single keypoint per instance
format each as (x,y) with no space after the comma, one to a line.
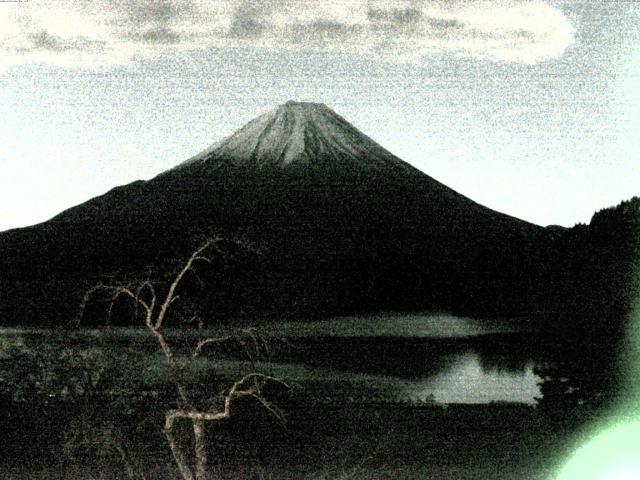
(155,308)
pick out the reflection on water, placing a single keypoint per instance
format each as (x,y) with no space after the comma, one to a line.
(484,369)
(467,379)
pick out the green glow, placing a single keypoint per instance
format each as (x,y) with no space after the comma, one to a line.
(613,453)
(632,361)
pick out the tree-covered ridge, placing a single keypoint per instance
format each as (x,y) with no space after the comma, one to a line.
(594,280)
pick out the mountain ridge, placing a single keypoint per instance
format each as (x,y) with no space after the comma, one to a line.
(342,226)
(222,158)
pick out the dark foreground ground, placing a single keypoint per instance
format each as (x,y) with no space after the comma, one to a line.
(91,404)
(318,441)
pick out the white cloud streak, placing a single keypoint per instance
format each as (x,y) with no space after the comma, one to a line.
(97,34)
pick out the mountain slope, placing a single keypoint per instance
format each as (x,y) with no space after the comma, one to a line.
(341,224)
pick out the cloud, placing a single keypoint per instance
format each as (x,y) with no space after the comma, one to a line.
(103,33)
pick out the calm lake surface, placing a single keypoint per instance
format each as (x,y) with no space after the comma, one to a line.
(389,357)
(466,379)
(436,355)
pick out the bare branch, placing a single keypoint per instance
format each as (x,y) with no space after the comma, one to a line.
(85,300)
(270,407)
(208,341)
(260,343)
(178,278)
(171,361)
(236,391)
(116,291)
(250,386)
(204,259)
(254,391)
(147,285)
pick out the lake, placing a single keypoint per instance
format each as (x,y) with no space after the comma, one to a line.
(384,357)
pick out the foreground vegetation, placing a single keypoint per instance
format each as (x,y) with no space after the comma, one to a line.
(90,404)
(318,441)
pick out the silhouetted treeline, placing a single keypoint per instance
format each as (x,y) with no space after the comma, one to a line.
(594,277)
(594,270)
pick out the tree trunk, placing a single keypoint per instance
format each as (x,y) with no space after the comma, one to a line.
(178,456)
(200,449)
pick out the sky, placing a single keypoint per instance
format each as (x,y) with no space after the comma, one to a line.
(529,107)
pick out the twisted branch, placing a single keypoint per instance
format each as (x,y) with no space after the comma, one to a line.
(250,385)
(235,392)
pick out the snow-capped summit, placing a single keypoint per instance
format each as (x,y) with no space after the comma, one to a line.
(300,134)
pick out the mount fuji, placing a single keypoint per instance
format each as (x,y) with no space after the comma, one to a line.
(340,224)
